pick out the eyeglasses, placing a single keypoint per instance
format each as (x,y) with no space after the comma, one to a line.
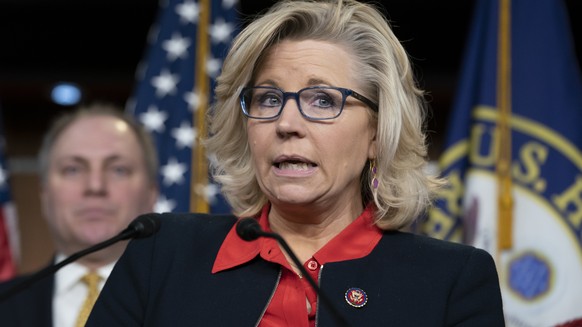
(314,103)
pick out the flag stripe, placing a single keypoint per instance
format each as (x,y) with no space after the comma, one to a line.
(9,234)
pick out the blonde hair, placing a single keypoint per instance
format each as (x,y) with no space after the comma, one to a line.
(384,71)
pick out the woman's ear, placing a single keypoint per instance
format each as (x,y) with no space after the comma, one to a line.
(373,145)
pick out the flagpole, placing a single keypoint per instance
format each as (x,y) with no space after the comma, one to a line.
(199,170)
(505,199)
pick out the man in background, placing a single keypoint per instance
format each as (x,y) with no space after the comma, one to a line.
(98,173)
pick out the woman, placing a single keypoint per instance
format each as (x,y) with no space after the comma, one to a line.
(317,134)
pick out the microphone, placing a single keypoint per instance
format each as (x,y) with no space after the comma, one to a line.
(141,227)
(249,229)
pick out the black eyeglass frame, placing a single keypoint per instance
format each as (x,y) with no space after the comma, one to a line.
(345,93)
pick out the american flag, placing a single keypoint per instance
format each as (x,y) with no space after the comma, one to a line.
(186,48)
(8,225)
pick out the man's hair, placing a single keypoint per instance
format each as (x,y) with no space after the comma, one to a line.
(144,138)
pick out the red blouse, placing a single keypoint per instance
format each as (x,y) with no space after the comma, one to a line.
(294,301)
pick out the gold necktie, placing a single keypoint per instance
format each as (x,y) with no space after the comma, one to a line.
(91,279)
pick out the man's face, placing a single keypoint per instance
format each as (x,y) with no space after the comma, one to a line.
(96,184)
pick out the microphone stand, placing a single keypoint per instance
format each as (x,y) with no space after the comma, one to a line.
(335,313)
(53,268)
(143,226)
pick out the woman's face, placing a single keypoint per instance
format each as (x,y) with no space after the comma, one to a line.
(304,162)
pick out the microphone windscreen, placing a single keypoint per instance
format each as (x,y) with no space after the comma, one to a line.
(145,225)
(248,229)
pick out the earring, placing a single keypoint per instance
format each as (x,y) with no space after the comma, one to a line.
(373,173)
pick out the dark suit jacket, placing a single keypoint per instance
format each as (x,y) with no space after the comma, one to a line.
(410,280)
(31,307)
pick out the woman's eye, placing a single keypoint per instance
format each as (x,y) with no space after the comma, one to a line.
(324,102)
(270,100)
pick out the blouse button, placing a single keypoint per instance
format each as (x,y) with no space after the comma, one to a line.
(312,265)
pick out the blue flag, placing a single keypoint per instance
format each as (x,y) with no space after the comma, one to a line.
(513,158)
(175,81)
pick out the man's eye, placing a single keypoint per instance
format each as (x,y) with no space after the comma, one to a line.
(70,170)
(121,170)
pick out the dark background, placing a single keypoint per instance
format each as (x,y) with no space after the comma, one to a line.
(98,44)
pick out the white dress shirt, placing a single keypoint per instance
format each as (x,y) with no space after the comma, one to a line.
(70,292)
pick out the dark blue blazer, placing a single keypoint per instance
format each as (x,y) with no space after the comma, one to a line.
(31,307)
(410,280)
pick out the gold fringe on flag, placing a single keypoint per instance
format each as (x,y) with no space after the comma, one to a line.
(199,170)
(505,199)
